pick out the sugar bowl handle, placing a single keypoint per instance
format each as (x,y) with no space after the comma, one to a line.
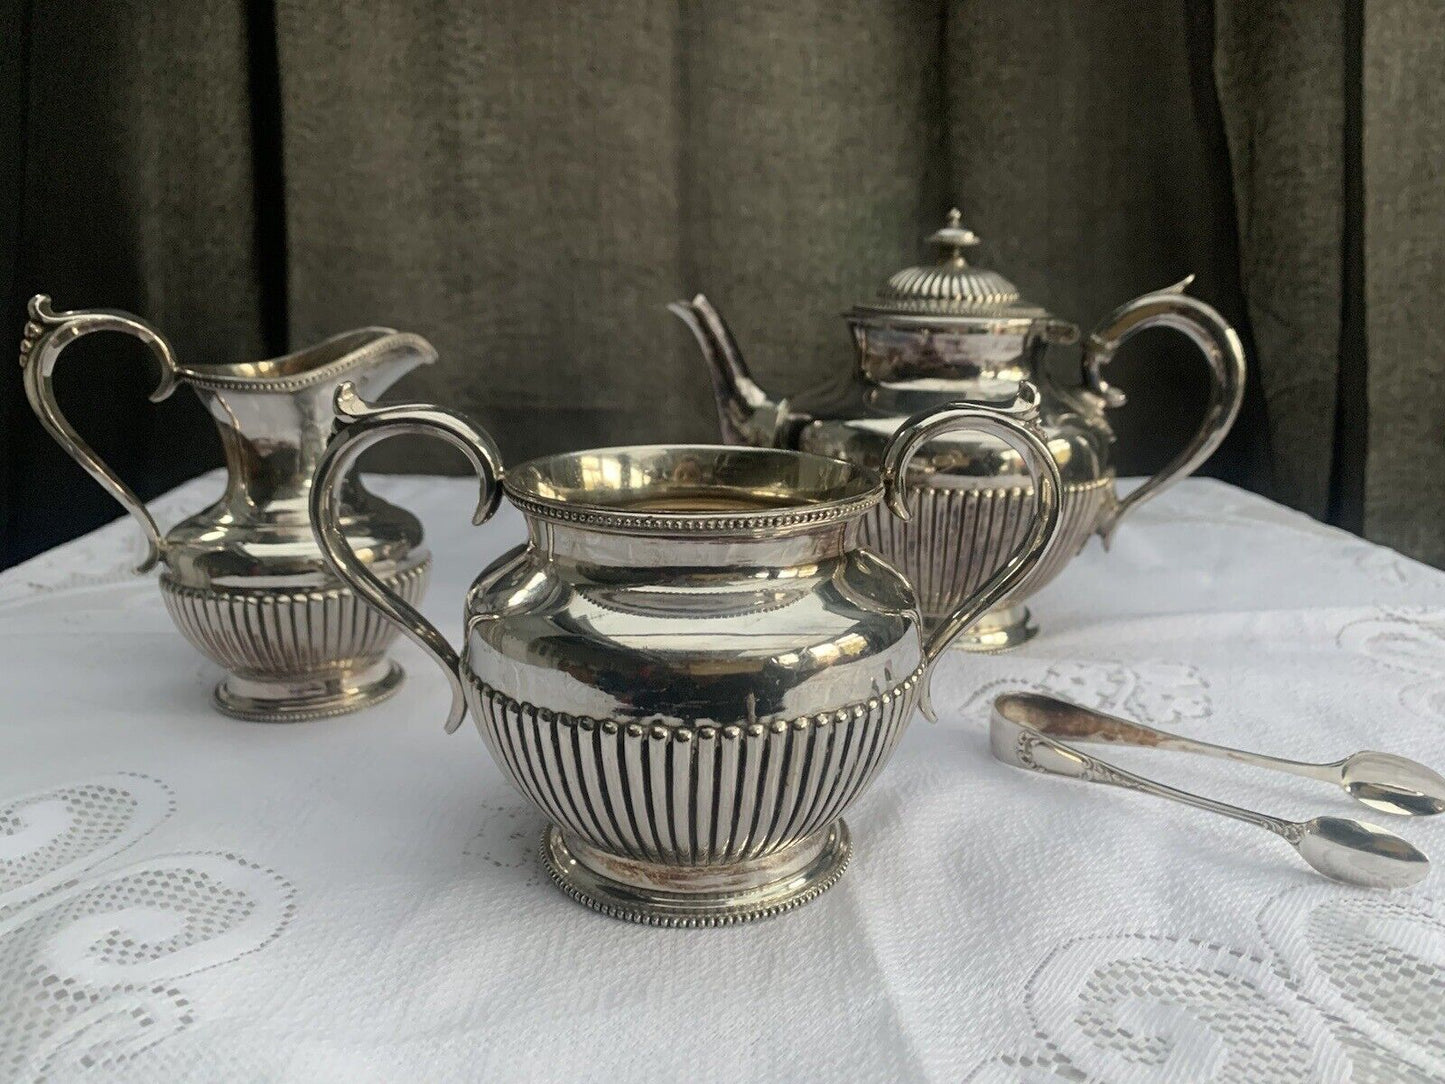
(1216,340)
(47,334)
(359,426)
(1017,427)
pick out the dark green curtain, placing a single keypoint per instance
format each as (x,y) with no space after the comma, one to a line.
(528,183)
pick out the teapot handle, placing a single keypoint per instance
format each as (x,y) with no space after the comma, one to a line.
(1216,340)
(47,334)
(359,426)
(1016,425)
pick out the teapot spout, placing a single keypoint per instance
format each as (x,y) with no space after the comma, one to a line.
(746,413)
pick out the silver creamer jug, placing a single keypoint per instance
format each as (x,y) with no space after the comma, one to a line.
(244,579)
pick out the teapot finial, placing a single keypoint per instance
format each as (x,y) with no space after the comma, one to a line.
(949,286)
(954,238)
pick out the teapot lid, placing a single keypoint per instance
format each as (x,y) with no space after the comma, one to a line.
(950,288)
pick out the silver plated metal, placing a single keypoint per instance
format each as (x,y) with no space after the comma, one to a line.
(948,331)
(690,668)
(244,580)
(1385,782)
(1025,731)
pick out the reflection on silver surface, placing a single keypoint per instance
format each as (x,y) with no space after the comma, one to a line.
(1025,731)
(1383,781)
(951,331)
(244,579)
(690,668)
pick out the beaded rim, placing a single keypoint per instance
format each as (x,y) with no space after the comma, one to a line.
(383,689)
(234,377)
(686,731)
(697,524)
(704,920)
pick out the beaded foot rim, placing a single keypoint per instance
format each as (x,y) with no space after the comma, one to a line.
(303,709)
(622,903)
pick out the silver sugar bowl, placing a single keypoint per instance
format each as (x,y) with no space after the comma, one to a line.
(244,580)
(691,667)
(947,331)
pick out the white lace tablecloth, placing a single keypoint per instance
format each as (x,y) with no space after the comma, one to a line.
(185,897)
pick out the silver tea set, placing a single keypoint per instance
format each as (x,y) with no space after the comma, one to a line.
(703,655)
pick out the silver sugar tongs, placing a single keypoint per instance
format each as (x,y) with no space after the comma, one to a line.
(1383,781)
(1025,732)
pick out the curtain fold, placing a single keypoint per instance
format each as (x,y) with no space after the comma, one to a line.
(1404,261)
(506,185)
(815,162)
(133,190)
(1279,67)
(1079,155)
(529,184)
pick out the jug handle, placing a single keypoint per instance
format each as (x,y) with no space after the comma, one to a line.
(47,334)
(1216,340)
(1016,425)
(358,426)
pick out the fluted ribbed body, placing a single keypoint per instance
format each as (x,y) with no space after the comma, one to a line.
(692,687)
(957,538)
(690,668)
(693,796)
(278,634)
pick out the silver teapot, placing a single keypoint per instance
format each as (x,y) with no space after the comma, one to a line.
(244,580)
(690,667)
(949,331)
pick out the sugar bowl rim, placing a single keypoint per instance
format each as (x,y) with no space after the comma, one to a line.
(693,490)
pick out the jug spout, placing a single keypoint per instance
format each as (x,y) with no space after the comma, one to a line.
(378,364)
(274,415)
(748,415)
(372,358)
